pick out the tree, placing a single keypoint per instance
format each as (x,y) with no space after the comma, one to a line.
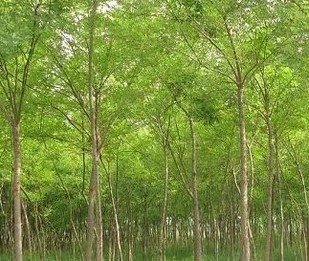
(20,45)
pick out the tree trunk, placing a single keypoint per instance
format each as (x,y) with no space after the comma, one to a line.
(94,222)
(252,173)
(244,198)
(305,213)
(16,190)
(282,233)
(280,188)
(99,225)
(162,233)
(38,245)
(115,212)
(245,240)
(27,229)
(130,232)
(93,196)
(196,211)
(270,197)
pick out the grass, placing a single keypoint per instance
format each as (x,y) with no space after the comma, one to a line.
(173,253)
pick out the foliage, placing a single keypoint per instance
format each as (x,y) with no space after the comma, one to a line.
(156,65)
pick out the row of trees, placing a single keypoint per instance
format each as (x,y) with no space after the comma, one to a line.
(137,126)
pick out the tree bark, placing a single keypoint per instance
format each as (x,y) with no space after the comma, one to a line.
(270,197)
(282,221)
(162,232)
(193,188)
(94,223)
(92,207)
(244,206)
(16,190)
(196,211)
(306,211)
(27,229)
(115,212)
(244,175)
(280,188)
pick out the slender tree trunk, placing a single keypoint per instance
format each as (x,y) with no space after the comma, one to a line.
(282,233)
(306,221)
(115,212)
(244,206)
(99,225)
(145,228)
(245,240)
(306,212)
(270,197)
(39,244)
(232,225)
(111,248)
(305,247)
(252,174)
(94,222)
(216,238)
(130,232)
(280,188)
(16,99)
(27,228)
(91,221)
(196,211)
(162,233)
(192,189)
(16,191)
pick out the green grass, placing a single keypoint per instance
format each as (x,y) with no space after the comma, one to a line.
(173,253)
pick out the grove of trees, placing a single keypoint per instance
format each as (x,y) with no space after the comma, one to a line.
(154,130)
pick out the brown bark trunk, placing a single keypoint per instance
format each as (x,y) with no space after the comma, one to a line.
(252,173)
(280,188)
(196,211)
(91,221)
(270,198)
(245,240)
(232,226)
(306,221)
(304,241)
(115,212)
(94,223)
(192,189)
(304,186)
(27,229)
(130,236)
(99,225)
(162,232)
(145,232)
(37,230)
(16,191)
(244,206)
(282,222)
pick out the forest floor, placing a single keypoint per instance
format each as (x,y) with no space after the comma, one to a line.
(180,253)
